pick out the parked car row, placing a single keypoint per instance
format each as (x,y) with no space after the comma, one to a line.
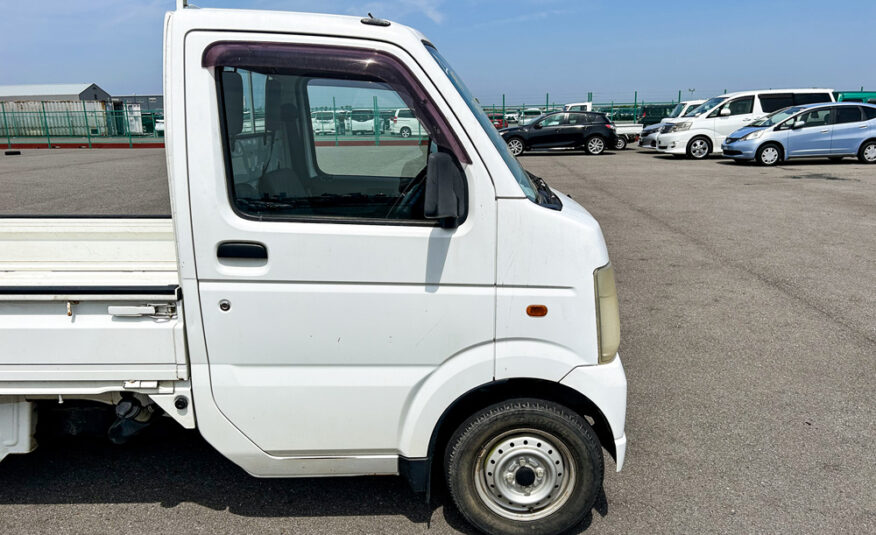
(401,122)
(769,126)
(702,130)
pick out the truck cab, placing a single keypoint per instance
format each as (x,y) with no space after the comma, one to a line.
(401,307)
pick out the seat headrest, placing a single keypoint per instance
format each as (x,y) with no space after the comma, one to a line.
(232,87)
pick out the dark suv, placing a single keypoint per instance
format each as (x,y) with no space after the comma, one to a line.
(564,129)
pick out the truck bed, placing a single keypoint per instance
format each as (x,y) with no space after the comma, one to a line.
(71,298)
(44,253)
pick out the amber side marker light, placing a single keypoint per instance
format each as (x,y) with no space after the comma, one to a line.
(536,311)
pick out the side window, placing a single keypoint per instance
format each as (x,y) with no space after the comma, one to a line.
(774,102)
(869,113)
(553,120)
(848,114)
(819,117)
(741,106)
(579,118)
(811,98)
(280,166)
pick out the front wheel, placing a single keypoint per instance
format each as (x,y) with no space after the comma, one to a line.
(768,155)
(524,466)
(595,145)
(515,145)
(405,132)
(699,148)
(621,143)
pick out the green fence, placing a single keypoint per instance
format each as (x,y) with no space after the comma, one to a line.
(83,125)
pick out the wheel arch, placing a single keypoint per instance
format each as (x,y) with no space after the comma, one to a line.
(863,143)
(422,472)
(704,134)
(783,154)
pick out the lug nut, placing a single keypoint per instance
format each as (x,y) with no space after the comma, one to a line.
(509,477)
(539,472)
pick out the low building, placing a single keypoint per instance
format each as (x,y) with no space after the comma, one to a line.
(52,92)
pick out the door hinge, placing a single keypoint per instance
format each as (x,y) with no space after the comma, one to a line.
(161,310)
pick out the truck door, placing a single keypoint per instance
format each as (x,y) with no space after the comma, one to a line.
(327,297)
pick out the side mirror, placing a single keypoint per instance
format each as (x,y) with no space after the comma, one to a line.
(537,126)
(798,124)
(725,112)
(446,197)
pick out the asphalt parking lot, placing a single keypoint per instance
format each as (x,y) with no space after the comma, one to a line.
(748,308)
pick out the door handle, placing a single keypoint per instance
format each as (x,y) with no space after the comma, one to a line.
(825,131)
(242,250)
(863,126)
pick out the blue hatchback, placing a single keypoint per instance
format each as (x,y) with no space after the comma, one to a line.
(833,130)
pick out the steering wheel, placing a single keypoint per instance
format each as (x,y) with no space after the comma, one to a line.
(403,206)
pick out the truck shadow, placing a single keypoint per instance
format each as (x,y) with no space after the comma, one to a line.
(171,466)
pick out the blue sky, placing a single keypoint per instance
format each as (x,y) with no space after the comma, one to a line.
(522,48)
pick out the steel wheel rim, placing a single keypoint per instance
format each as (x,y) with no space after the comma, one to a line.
(405,132)
(524,474)
(769,155)
(516,146)
(595,145)
(870,152)
(699,148)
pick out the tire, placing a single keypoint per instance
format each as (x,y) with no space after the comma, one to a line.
(867,153)
(551,462)
(768,154)
(516,146)
(621,143)
(405,132)
(594,145)
(699,148)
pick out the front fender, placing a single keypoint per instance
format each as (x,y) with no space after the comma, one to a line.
(458,375)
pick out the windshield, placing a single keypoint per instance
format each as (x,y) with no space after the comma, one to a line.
(676,111)
(777,116)
(705,106)
(526,184)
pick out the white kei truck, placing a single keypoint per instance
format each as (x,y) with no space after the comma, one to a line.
(315,308)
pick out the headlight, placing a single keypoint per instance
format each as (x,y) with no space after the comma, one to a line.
(680,127)
(754,135)
(607,317)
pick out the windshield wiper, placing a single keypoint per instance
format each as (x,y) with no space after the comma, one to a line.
(546,197)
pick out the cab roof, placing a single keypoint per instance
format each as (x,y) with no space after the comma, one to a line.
(244,20)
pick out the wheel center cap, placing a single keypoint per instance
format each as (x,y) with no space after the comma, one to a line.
(525,476)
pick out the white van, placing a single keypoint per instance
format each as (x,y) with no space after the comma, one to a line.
(403,123)
(361,121)
(323,122)
(529,115)
(648,139)
(703,132)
